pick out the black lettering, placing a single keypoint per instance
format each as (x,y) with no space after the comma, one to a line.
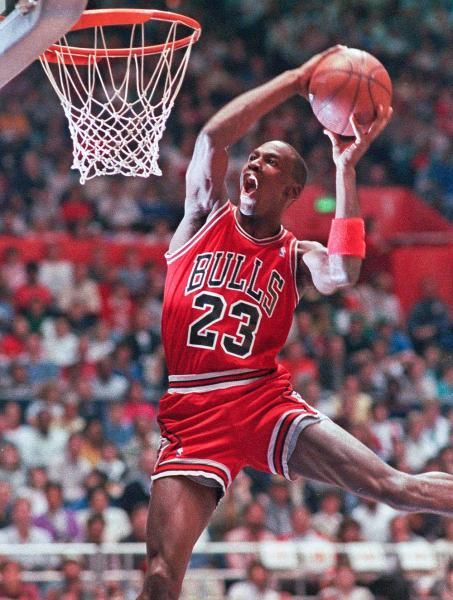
(233,284)
(275,285)
(199,271)
(255,294)
(219,281)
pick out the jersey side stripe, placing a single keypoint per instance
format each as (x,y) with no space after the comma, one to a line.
(294,266)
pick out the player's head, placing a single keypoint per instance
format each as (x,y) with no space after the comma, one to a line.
(272,178)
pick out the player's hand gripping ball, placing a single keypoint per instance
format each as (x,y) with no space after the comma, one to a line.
(348,82)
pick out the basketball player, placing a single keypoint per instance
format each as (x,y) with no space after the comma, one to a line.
(232,286)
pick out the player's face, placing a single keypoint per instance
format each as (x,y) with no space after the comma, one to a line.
(266,179)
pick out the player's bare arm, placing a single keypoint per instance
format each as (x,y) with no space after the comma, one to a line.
(331,270)
(205,178)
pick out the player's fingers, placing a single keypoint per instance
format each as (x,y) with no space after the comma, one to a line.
(358,129)
(383,117)
(332,137)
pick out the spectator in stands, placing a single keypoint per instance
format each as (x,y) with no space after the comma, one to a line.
(72,587)
(22,531)
(44,442)
(69,469)
(100,344)
(443,589)
(12,269)
(11,467)
(428,320)
(117,524)
(95,529)
(302,526)
(445,386)
(278,505)
(114,468)
(13,343)
(349,531)
(145,436)
(374,519)
(138,518)
(12,585)
(107,385)
(136,404)
(419,447)
(34,490)
(351,405)
(252,529)
(400,530)
(82,290)
(39,368)
(93,441)
(6,502)
(54,271)
(60,522)
(327,520)
(437,427)
(60,343)
(332,365)
(31,289)
(344,585)
(257,586)
(76,211)
(132,273)
(116,429)
(138,486)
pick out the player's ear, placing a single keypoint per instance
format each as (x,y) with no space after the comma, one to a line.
(292,193)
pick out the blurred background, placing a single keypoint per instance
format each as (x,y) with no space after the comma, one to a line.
(81,281)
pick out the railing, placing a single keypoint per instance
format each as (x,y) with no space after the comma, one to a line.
(288,560)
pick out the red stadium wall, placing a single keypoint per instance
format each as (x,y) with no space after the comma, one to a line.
(394,211)
(411,265)
(399,217)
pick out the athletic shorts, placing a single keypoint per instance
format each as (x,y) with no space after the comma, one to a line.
(211,436)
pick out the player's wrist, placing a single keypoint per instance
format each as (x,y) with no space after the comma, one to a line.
(347,237)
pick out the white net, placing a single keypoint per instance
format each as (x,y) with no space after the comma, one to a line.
(117,107)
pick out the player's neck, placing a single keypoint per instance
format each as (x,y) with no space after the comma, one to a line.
(257,226)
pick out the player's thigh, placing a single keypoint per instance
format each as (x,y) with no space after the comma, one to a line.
(179,510)
(326,452)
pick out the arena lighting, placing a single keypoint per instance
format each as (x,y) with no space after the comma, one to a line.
(324,204)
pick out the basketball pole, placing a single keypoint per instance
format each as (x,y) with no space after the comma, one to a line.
(24,35)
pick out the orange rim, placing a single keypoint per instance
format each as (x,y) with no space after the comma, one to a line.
(107,17)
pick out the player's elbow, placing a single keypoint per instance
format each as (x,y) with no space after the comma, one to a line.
(344,271)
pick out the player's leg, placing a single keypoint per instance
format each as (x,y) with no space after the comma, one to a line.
(179,510)
(326,452)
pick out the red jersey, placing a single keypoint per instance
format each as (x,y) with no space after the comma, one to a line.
(228,304)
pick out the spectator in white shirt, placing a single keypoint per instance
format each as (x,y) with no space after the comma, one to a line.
(256,587)
(70,469)
(117,522)
(374,519)
(21,531)
(61,345)
(419,448)
(54,272)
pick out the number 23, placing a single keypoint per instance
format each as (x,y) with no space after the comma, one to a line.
(201,335)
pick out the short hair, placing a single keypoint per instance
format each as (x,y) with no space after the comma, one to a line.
(300,170)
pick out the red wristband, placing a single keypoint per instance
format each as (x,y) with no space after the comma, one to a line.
(347,237)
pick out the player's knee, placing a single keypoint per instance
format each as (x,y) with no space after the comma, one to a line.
(160,580)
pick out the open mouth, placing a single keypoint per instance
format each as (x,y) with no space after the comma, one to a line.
(250,184)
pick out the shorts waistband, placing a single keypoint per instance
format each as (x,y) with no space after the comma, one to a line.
(218,380)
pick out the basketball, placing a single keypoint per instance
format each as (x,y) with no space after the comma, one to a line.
(349,82)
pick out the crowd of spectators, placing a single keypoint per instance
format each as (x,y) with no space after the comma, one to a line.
(81,362)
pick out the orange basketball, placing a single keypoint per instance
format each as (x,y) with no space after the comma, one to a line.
(348,82)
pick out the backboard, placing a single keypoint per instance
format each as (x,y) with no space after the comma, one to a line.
(27,33)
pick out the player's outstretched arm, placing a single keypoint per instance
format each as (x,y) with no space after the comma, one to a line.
(339,264)
(205,179)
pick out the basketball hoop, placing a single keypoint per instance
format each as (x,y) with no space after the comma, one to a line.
(117,100)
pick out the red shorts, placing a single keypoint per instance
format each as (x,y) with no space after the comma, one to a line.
(213,435)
